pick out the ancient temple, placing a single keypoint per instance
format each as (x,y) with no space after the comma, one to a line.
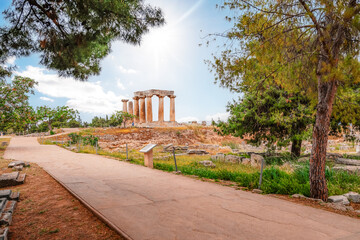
(142,105)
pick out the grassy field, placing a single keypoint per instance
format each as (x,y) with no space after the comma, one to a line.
(282,174)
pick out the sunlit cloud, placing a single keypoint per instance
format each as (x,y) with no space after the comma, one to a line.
(126,71)
(88,97)
(47,99)
(218,116)
(188,119)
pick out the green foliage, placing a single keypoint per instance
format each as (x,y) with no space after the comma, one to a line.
(73,36)
(116,119)
(15,111)
(85,140)
(271,116)
(61,114)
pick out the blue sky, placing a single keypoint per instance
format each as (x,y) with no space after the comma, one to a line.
(169,58)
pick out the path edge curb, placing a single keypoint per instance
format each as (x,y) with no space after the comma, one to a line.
(93,210)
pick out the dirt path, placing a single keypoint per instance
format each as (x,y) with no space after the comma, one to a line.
(151,204)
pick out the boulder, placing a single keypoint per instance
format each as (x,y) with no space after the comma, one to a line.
(246,161)
(218,157)
(298,196)
(232,158)
(197,151)
(345,161)
(339,199)
(256,160)
(207,163)
(353,197)
(258,191)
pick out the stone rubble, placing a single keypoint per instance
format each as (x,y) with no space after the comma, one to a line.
(11,179)
(256,160)
(339,199)
(8,201)
(207,163)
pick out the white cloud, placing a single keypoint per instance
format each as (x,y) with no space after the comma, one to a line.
(10,60)
(188,119)
(47,99)
(86,97)
(218,116)
(126,71)
(120,85)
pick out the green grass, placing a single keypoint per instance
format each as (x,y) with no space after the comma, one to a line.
(275,179)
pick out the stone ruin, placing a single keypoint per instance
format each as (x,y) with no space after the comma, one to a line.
(143,108)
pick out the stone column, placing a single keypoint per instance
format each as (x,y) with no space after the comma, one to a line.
(130,107)
(161,109)
(136,109)
(142,110)
(149,114)
(124,101)
(172,108)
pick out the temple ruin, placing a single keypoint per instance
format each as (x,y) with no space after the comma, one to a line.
(142,105)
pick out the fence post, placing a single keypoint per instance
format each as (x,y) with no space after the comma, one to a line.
(261,173)
(176,169)
(127,154)
(79,142)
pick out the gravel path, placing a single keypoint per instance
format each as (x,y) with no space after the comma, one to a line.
(150,204)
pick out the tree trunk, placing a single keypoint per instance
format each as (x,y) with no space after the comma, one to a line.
(49,126)
(318,187)
(296,148)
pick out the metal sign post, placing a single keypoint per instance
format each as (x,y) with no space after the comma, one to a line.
(261,173)
(176,169)
(127,153)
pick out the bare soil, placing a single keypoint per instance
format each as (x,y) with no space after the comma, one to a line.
(46,210)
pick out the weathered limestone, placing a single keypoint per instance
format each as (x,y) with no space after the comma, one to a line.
(172,108)
(142,110)
(161,108)
(124,101)
(149,114)
(131,108)
(136,109)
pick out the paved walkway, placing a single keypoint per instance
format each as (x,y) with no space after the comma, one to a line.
(151,204)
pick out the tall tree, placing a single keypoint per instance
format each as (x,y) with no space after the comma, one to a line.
(72,36)
(271,116)
(61,114)
(310,47)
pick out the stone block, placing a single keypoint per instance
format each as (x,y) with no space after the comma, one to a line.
(197,152)
(5,193)
(207,163)
(5,219)
(232,158)
(18,168)
(349,169)
(10,206)
(18,163)
(351,162)
(246,161)
(4,232)
(338,199)
(353,197)
(256,160)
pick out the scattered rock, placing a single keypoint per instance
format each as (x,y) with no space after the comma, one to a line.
(218,157)
(339,206)
(18,163)
(349,169)
(258,191)
(357,211)
(207,163)
(232,158)
(256,160)
(18,168)
(353,197)
(246,161)
(345,161)
(339,199)
(11,179)
(197,152)
(298,196)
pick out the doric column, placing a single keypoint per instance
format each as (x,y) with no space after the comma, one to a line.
(136,109)
(172,108)
(161,109)
(142,110)
(124,101)
(130,108)
(149,117)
